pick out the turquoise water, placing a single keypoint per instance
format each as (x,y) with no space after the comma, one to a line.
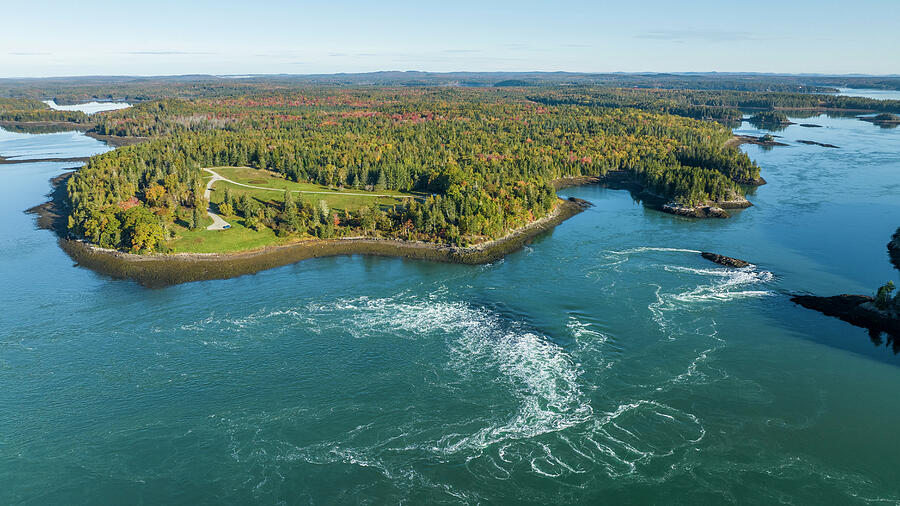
(605,362)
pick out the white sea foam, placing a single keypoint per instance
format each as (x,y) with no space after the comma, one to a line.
(612,258)
(643,249)
(539,415)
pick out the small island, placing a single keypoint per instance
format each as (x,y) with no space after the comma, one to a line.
(885,119)
(770,120)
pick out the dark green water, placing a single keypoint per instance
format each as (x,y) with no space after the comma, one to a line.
(605,363)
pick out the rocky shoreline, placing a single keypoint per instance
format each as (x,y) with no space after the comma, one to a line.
(621,180)
(737,140)
(894,249)
(882,315)
(858,310)
(159,270)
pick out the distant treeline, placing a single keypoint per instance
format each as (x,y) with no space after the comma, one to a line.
(717,105)
(35,110)
(134,89)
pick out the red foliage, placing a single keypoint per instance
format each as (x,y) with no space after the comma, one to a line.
(128,204)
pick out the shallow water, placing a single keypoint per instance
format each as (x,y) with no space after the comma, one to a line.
(606,361)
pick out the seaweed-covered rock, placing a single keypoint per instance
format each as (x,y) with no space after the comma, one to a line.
(724,260)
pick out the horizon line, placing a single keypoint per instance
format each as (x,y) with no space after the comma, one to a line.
(439,73)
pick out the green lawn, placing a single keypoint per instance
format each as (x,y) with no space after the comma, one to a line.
(336,198)
(240,238)
(236,238)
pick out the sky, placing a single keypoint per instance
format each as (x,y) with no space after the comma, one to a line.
(43,38)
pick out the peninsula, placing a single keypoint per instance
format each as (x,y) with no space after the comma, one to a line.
(464,174)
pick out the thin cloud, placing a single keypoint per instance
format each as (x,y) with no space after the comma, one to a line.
(28,53)
(168,53)
(701,35)
(461,51)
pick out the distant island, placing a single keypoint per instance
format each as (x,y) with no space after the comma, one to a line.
(882,119)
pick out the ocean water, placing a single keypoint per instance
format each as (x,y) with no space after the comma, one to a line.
(870,93)
(606,362)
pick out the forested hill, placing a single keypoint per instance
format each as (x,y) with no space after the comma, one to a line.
(482,160)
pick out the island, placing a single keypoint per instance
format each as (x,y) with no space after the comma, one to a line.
(883,119)
(770,120)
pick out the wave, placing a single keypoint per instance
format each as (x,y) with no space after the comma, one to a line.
(643,249)
(613,259)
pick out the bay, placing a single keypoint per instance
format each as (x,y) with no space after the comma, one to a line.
(605,361)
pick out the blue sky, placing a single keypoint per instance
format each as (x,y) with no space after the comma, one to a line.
(55,38)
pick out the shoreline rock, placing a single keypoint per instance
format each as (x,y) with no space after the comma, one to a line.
(759,141)
(858,310)
(695,211)
(814,143)
(894,249)
(724,260)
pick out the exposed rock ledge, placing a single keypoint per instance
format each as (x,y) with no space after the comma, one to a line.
(724,260)
(706,210)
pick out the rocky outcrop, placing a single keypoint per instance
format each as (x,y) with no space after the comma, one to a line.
(856,310)
(814,143)
(894,249)
(695,211)
(764,140)
(724,260)
(882,119)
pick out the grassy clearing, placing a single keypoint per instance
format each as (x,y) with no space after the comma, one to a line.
(334,200)
(241,238)
(268,179)
(348,199)
(236,238)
